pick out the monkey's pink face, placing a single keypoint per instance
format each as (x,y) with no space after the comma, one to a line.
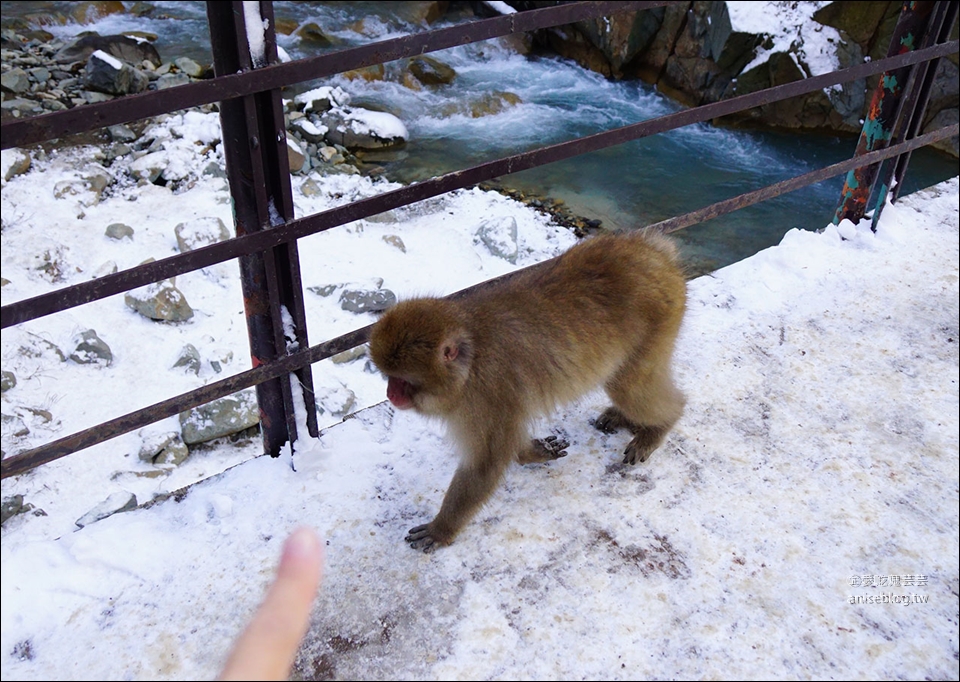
(400,393)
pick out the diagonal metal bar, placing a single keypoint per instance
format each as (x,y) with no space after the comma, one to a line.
(22,462)
(144,105)
(109,285)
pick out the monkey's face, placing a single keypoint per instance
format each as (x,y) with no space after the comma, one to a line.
(424,352)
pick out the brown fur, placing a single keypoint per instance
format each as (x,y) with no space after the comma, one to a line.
(607,313)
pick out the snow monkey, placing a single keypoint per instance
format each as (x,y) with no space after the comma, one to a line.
(606,312)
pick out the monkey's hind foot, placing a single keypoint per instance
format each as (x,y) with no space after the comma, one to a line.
(544,450)
(645,441)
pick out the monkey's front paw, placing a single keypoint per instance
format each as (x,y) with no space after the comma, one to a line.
(645,441)
(636,453)
(419,537)
(610,420)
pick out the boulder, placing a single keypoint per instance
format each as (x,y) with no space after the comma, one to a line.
(356,128)
(107,74)
(90,349)
(222,417)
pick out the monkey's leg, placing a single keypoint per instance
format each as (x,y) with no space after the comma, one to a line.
(646,401)
(545,450)
(472,484)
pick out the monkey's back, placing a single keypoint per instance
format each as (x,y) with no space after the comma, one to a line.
(567,325)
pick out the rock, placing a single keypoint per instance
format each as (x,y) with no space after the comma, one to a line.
(310,188)
(118,231)
(337,402)
(90,349)
(849,99)
(107,74)
(349,355)
(10,507)
(189,67)
(121,133)
(189,359)
(128,49)
(321,99)
(219,418)
(296,159)
(364,129)
(172,80)
(499,235)
(330,154)
(311,33)
(425,12)
(107,268)
(15,162)
(493,103)
(308,130)
(285,26)
(200,232)
(395,241)
(149,167)
(15,80)
(366,301)
(7,381)
(367,73)
(160,301)
(430,71)
(226,357)
(115,504)
(945,117)
(859,20)
(163,449)
(89,12)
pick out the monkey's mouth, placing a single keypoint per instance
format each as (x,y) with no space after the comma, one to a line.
(400,393)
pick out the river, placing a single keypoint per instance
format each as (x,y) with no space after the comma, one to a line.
(630,185)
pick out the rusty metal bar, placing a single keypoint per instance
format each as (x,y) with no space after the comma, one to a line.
(25,461)
(283,366)
(940,27)
(255,147)
(109,285)
(144,105)
(885,110)
(915,96)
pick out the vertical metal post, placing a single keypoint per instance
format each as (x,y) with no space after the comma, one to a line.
(944,16)
(255,147)
(885,110)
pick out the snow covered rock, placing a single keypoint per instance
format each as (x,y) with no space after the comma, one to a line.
(356,128)
(221,417)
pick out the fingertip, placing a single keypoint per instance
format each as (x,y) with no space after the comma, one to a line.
(303,550)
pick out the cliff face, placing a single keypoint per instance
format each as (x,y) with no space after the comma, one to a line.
(702,52)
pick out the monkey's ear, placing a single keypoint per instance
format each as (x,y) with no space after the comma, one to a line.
(454,346)
(450,352)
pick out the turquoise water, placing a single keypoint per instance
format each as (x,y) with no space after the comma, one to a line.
(630,185)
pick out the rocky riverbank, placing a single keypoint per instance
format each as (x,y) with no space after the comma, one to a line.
(703,52)
(327,133)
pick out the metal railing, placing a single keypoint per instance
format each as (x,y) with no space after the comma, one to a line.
(254,143)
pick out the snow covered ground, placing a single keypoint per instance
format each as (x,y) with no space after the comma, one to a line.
(801,520)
